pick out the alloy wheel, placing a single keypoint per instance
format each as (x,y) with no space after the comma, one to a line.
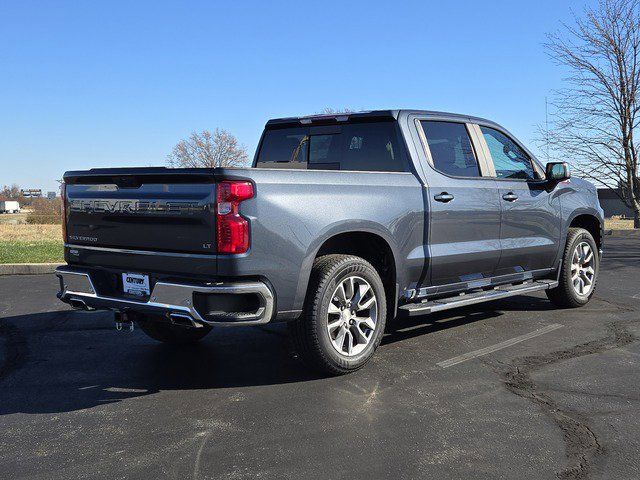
(352,316)
(582,269)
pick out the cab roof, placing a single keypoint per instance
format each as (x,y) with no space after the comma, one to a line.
(367,115)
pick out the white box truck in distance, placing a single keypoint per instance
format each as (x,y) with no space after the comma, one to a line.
(9,206)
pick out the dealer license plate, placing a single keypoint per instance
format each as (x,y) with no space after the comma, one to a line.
(135,284)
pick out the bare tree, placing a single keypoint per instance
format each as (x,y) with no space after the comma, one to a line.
(333,111)
(10,192)
(594,119)
(203,149)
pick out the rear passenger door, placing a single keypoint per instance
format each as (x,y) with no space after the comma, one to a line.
(463,207)
(531,217)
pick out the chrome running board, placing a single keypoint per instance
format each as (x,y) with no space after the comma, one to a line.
(464,299)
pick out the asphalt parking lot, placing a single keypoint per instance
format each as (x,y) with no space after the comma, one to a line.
(79,399)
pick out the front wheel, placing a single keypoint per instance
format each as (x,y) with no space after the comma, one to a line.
(344,315)
(579,270)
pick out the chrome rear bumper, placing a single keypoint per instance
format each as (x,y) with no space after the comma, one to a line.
(78,290)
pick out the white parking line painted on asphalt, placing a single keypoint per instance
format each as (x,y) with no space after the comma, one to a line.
(637,295)
(498,346)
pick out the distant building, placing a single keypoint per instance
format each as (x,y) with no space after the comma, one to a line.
(611,203)
(51,195)
(31,192)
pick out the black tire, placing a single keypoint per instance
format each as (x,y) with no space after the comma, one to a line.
(163,331)
(310,334)
(565,295)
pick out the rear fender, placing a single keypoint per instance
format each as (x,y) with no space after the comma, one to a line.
(351,226)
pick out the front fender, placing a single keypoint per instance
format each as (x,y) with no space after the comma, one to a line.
(579,198)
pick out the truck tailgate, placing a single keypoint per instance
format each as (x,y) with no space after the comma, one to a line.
(150,209)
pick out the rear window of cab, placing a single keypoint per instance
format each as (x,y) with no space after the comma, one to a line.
(371,146)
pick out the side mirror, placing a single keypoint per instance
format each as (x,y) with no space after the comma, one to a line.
(557,171)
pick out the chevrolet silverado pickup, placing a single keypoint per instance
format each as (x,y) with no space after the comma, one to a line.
(343,223)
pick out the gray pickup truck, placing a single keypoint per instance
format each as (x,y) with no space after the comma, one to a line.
(344,222)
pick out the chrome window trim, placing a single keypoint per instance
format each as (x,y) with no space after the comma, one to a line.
(482,146)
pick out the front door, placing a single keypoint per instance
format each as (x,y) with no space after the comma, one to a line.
(463,206)
(531,217)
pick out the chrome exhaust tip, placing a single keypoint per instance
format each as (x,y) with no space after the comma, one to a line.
(78,304)
(184,320)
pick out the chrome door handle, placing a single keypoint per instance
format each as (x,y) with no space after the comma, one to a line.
(443,197)
(510,197)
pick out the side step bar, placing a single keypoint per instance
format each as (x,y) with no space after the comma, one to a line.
(462,300)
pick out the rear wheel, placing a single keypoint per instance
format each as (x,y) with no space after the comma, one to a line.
(165,332)
(579,270)
(344,315)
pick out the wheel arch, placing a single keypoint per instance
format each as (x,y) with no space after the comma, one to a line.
(590,222)
(587,218)
(366,241)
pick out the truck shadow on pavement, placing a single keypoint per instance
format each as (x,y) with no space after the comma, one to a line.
(67,360)
(402,329)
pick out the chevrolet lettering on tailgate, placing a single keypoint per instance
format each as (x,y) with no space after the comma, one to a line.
(133,206)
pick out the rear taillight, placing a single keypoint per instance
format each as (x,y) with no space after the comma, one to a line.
(232,228)
(63,207)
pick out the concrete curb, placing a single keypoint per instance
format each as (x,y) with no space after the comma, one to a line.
(28,268)
(623,233)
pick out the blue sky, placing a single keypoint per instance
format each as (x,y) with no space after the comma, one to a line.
(88,84)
